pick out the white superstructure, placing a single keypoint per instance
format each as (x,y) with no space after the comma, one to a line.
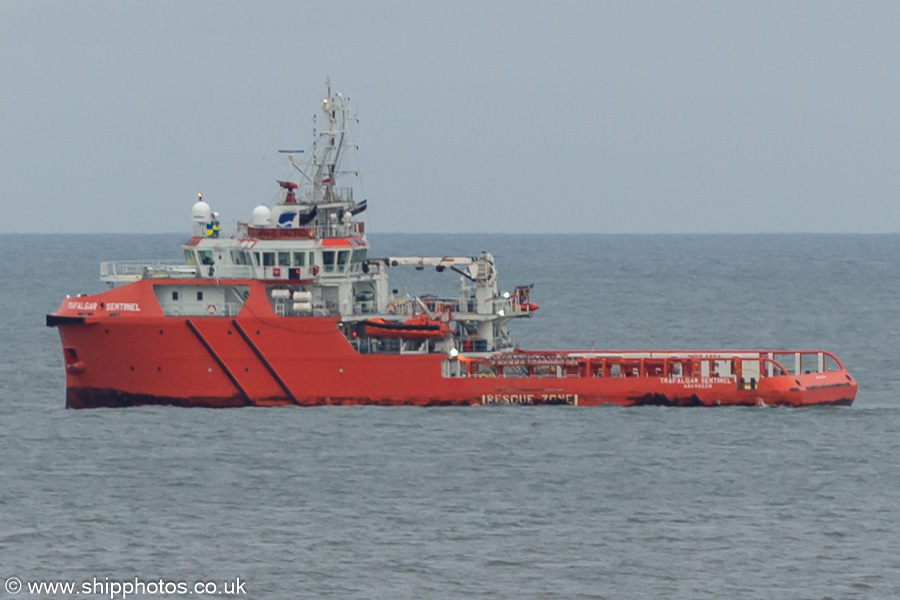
(311,246)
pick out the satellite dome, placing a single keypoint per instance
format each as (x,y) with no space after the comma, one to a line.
(201,211)
(261,215)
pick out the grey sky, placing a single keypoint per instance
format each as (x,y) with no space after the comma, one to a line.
(504,116)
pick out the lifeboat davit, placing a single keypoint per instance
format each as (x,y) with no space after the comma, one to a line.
(421,328)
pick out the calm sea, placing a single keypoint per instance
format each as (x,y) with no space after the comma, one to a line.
(499,502)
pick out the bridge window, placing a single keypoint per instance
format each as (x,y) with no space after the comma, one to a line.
(357,258)
(268,259)
(328,260)
(284,259)
(299,259)
(343,255)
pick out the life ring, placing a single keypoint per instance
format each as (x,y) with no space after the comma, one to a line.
(211,309)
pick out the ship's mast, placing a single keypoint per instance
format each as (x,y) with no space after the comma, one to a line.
(328,147)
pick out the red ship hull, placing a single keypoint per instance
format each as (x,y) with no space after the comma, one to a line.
(139,356)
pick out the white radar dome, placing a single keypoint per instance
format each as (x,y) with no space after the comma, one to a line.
(261,215)
(201,211)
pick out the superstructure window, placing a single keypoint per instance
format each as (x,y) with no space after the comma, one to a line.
(328,260)
(343,255)
(358,257)
(199,296)
(299,259)
(284,259)
(174,295)
(268,259)
(189,257)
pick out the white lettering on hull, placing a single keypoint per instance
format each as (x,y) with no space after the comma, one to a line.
(79,305)
(123,306)
(109,306)
(529,398)
(696,383)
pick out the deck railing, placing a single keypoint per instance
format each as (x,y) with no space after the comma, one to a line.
(119,271)
(745,368)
